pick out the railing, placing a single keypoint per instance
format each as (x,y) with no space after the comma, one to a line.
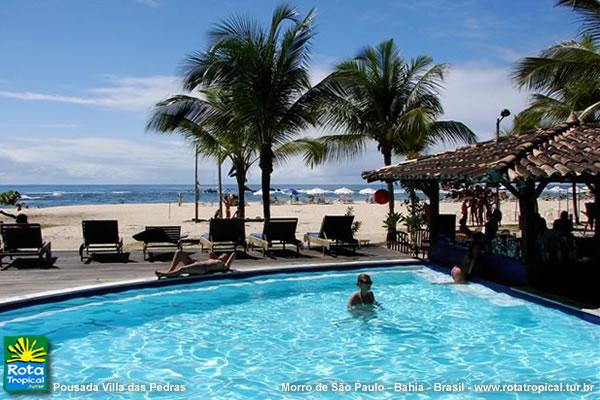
(413,243)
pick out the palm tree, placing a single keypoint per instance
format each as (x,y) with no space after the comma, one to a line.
(266,72)
(567,62)
(379,96)
(549,110)
(215,132)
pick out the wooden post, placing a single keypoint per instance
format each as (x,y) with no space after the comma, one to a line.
(575,210)
(432,190)
(528,195)
(196,185)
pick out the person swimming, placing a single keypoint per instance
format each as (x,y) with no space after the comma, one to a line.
(363,297)
(461,272)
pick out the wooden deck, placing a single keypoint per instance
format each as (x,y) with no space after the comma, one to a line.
(29,278)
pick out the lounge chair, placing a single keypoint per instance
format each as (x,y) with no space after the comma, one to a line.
(276,231)
(336,231)
(155,237)
(100,236)
(224,235)
(23,240)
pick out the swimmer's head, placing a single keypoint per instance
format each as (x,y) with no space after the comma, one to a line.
(457,275)
(364,279)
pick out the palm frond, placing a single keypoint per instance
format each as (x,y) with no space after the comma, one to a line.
(589,11)
(558,66)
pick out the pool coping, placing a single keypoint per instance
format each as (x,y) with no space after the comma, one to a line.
(18,302)
(581,313)
(54,296)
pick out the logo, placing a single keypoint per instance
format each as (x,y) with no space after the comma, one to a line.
(25,364)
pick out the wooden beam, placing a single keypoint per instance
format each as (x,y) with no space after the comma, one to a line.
(508,185)
(540,188)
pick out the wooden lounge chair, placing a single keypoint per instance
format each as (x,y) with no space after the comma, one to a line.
(224,235)
(23,240)
(276,231)
(155,237)
(336,231)
(100,236)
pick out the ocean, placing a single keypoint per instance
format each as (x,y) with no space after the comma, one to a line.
(38,196)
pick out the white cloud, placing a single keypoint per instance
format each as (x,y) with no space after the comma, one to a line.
(475,95)
(148,3)
(125,93)
(89,159)
(57,126)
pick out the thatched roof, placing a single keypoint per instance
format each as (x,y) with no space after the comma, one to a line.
(569,152)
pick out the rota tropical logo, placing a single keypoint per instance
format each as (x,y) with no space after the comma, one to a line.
(25,364)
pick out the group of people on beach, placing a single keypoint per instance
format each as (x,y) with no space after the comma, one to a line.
(478,204)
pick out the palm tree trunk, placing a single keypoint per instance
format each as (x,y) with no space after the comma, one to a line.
(240,177)
(266,166)
(387,160)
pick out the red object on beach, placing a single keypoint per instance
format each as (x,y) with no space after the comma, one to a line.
(381,196)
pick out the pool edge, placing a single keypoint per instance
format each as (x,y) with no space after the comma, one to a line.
(12,304)
(15,303)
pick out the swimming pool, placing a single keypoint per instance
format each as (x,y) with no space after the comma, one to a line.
(266,336)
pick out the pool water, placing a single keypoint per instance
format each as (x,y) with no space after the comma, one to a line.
(246,338)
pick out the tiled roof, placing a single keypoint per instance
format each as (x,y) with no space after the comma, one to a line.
(564,153)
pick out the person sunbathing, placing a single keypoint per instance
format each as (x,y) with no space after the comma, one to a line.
(190,266)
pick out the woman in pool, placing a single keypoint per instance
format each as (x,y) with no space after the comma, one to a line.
(364,297)
(461,272)
(190,266)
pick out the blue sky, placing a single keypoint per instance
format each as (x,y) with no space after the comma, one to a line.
(78,78)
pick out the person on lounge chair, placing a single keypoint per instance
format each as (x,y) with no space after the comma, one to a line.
(190,266)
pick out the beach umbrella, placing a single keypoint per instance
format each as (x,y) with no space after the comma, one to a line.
(558,190)
(367,191)
(343,191)
(316,191)
(292,191)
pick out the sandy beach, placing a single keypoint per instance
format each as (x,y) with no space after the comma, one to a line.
(62,225)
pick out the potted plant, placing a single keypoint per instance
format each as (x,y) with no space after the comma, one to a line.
(390,223)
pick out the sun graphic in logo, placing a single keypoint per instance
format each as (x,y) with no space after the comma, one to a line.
(26,352)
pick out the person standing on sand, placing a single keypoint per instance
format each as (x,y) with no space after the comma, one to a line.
(464,209)
(473,207)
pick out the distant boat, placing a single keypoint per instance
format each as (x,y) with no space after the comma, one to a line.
(210,190)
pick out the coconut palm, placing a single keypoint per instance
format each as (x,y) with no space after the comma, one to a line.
(567,62)
(378,96)
(549,110)
(266,72)
(209,124)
